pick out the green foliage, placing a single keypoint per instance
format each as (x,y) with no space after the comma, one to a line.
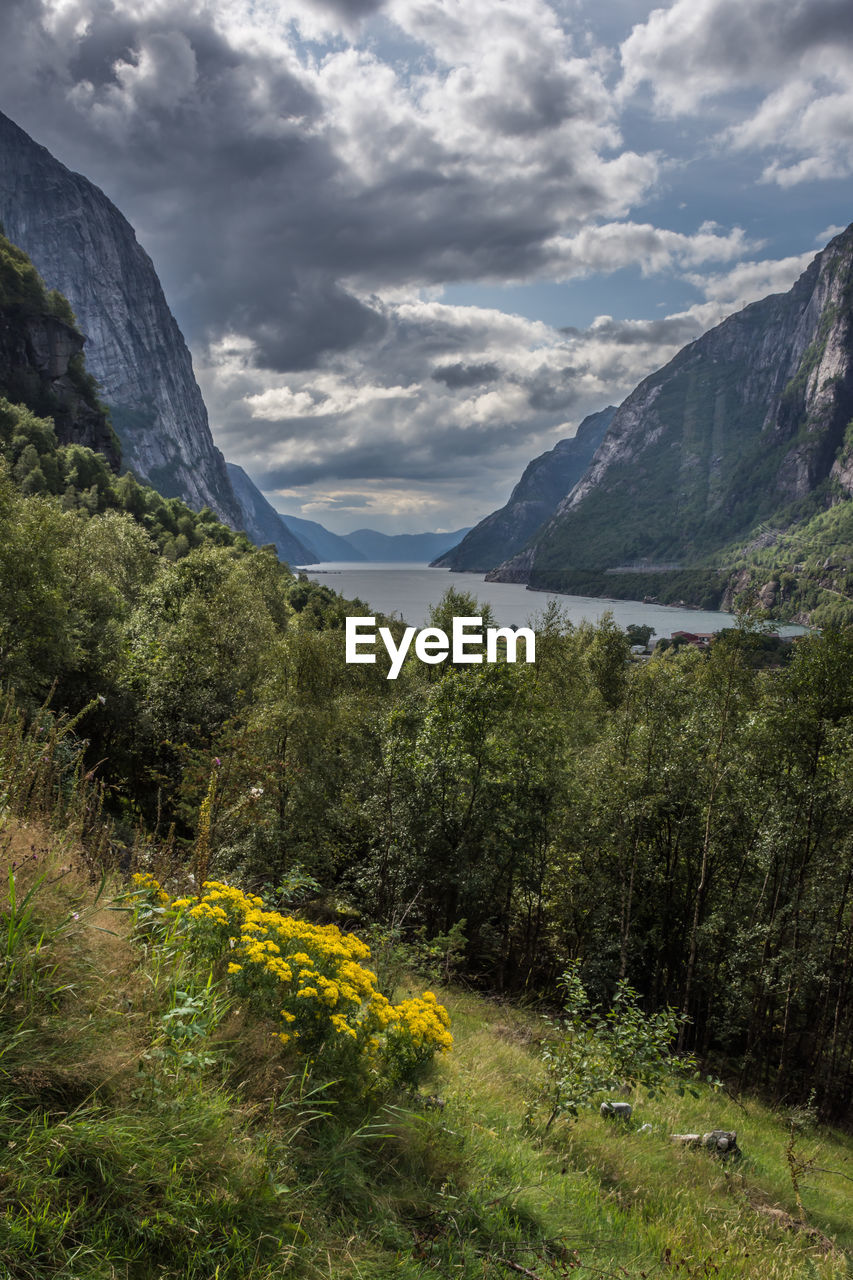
(639,634)
(22,287)
(592,1053)
(805,567)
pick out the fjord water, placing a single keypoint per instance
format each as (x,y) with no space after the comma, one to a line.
(409,590)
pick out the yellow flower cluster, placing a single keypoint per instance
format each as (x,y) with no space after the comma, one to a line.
(146,883)
(311,977)
(426,1021)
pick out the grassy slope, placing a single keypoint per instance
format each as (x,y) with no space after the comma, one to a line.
(110,1167)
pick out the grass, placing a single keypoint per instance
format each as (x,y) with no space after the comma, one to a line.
(628,1200)
(113,1167)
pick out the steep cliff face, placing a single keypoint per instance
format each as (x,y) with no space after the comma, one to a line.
(545,482)
(744,426)
(263,523)
(41,358)
(83,246)
(40,367)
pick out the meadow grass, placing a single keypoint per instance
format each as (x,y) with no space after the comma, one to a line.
(113,1166)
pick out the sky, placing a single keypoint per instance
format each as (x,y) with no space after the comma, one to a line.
(412,243)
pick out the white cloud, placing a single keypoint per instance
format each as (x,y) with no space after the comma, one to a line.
(749,281)
(796,55)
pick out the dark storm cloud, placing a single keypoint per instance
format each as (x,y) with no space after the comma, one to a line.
(465,375)
(300,193)
(350,10)
(323,318)
(261,184)
(552,390)
(448,454)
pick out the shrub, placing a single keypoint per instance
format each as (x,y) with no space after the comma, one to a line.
(308,981)
(592,1054)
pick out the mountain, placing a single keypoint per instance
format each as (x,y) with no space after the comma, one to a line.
(411,548)
(742,435)
(84,247)
(323,544)
(545,482)
(41,358)
(263,523)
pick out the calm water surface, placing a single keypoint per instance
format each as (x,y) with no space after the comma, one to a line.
(409,590)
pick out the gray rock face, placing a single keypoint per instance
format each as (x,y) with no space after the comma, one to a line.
(743,422)
(616,1110)
(84,247)
(36,369)
(545,482)
(263,523)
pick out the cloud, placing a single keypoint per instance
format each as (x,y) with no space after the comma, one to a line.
(454,400)
(309,175)
(612,246)
(748,281)
(465,375)
(795,55)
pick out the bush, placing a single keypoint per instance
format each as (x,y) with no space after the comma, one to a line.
(592,1054)
(309,982)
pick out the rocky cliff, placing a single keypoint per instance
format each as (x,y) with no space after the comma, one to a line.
(84,247)
(263,523)
(744,429)
(545,482)
(41,358)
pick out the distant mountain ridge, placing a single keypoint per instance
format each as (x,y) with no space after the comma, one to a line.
(545,482)
(744,430)
(324,544)
(306,542)
(414,548)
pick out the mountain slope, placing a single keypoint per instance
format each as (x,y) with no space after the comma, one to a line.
(83,246)
(412,548)
(744,427)
(545,482)
(263,523)
(323,544)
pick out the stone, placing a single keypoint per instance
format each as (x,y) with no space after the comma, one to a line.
(616,1110)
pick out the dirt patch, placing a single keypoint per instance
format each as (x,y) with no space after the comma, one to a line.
(787,1222)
